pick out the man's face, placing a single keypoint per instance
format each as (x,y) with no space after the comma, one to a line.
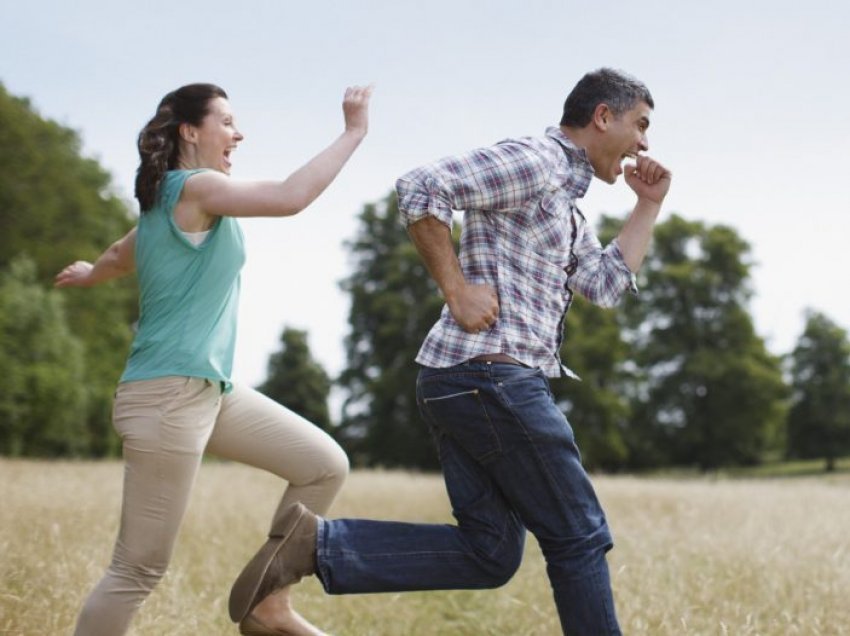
(622,136)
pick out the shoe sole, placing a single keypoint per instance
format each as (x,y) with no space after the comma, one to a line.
(244,591)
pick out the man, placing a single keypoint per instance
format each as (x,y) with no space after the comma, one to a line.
(508,455)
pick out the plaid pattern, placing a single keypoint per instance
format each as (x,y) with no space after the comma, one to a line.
(524,236)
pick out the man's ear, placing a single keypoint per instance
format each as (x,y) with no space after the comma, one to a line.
(602,116)
(187,132)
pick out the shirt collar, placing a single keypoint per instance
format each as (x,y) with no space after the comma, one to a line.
(580,164)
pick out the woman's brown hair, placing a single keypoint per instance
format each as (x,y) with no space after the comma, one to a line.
(158,147)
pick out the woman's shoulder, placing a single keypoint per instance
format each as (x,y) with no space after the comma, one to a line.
(178,181)
(200,177)
(203,186)
(180,174)
(171,189)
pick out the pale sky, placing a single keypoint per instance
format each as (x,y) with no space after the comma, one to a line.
(751,116)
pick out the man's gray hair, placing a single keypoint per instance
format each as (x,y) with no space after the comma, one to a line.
(620,91)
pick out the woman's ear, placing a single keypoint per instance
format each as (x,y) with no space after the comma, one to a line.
(188,132)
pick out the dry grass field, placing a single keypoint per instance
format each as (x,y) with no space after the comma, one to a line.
(693,556)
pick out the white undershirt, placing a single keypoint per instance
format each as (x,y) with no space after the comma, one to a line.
(196,238)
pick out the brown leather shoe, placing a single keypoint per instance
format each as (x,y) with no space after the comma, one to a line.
(288,555)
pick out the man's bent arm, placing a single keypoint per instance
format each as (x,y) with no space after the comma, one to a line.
(474,307)
(636,233)
(651,182)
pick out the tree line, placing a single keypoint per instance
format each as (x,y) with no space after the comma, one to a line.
(677,376)
(60,354)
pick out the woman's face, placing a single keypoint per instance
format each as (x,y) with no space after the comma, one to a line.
(216,137)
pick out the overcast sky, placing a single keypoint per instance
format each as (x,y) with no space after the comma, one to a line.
(751,115)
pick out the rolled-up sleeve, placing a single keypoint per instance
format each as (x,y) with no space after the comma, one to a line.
(497,178)
(602,275)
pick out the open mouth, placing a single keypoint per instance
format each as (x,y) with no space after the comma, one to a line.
(625,156)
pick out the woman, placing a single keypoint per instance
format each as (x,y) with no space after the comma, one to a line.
(175,399)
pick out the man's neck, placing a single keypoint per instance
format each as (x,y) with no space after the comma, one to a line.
(578,136)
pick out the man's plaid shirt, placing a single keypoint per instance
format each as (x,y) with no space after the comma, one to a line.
(524,236)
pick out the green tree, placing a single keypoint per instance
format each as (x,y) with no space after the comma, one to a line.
(597,406)
(42,395)
(56,207)
(710,393)
(819,419)
(297,381)
(394,302)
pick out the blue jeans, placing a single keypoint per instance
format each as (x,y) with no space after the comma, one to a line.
(510,462)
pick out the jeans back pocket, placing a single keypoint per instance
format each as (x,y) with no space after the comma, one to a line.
(463,416)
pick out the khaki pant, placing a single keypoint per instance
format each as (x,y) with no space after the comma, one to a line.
(166,425)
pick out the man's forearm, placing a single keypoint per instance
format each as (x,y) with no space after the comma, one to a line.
(433,241)
(636,234)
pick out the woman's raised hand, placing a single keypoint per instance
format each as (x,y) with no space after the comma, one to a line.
(355,107)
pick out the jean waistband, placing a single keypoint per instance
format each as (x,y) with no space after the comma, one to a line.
(503,358)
